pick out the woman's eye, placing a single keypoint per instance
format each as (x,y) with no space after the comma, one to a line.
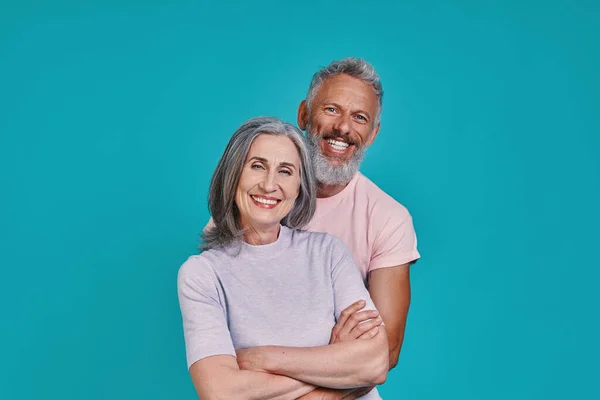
(257,166)
(285,171)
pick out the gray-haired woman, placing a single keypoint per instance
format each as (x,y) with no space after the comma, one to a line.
(264,288)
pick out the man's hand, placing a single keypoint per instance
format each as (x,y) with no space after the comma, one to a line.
(356,324)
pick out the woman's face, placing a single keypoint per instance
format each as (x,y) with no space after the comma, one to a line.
(270,182)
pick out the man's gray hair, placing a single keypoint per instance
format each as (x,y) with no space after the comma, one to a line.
(226,228)
(355,67)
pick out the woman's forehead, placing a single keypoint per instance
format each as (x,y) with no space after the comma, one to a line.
(274,148)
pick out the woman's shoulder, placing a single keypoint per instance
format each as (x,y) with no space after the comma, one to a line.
(322,240)
(201,265)
(195,265)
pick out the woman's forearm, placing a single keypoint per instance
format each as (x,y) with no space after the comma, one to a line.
(225,383)
(264,386)
(337,394)
(342,365)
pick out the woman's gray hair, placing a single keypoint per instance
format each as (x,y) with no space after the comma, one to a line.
(226,226)
(355,67)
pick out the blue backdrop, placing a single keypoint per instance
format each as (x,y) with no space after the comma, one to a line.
(113,115)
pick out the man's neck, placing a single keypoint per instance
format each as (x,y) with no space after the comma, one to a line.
(324,191)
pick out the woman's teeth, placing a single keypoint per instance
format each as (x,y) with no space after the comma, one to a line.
(264,201)
(338,145)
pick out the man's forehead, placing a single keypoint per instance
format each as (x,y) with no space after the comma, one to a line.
(353,89)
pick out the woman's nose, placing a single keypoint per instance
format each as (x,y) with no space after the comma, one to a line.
(268,183)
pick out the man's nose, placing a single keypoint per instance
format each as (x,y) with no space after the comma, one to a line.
(343,124)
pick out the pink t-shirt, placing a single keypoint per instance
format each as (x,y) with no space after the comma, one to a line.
(378,230)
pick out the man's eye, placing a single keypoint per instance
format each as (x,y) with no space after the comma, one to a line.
(330,109)
(362,117)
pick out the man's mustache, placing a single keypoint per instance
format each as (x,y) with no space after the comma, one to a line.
(340,137)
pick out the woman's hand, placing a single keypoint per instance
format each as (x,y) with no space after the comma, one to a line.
(356,324)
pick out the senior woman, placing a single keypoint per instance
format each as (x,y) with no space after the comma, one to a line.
(262,281)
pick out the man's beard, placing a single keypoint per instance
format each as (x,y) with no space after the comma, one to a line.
(326,173)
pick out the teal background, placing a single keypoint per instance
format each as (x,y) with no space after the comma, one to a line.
(113,115)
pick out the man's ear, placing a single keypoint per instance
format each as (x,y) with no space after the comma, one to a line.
(302,115)
(373,134)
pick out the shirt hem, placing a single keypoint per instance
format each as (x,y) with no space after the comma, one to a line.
(395,261)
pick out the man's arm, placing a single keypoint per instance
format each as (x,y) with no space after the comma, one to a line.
(390,291)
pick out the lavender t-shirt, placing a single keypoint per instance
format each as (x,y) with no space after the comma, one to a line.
(287,293)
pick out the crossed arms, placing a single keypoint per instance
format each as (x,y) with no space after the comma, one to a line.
(358,357)
(389,289)
(289,372)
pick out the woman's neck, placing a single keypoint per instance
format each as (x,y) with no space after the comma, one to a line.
(260,236)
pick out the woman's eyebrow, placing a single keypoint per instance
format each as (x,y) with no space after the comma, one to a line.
(287,164)
(261,159)
(281,164)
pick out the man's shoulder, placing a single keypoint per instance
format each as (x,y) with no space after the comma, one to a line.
(378,199)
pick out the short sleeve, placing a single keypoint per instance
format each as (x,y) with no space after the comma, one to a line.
(348,285)
(395,242)
(204,322)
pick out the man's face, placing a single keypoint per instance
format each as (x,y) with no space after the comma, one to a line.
(340,125)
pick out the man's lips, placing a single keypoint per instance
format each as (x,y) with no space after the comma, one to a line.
(336,146)
(344,139)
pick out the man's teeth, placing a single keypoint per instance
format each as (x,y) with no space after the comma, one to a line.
(338,145)
(264,201)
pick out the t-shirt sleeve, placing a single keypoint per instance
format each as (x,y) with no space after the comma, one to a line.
(348,286)
(204,323)
(395,240)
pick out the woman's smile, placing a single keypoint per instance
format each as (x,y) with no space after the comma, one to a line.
(266,202)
